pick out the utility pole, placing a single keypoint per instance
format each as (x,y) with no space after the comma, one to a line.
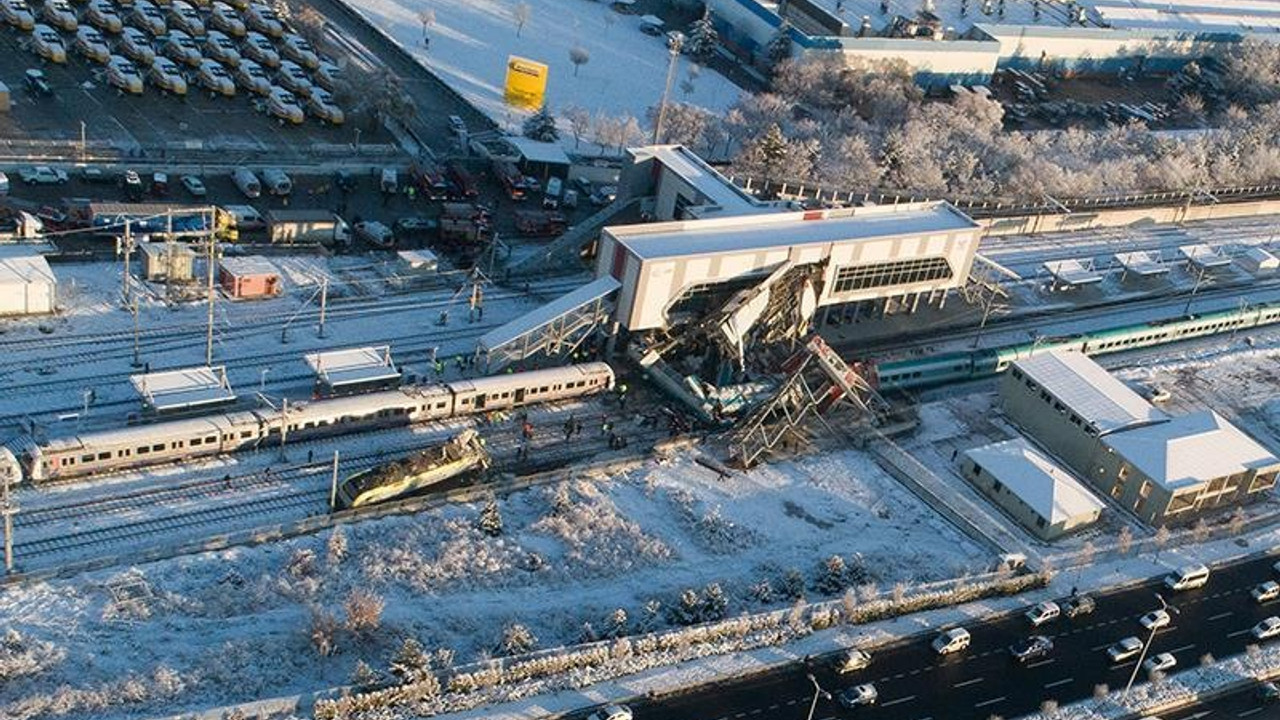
(324,301)
(208,340)
(128,252)
(674,43)
(284,426)
(8,508)
(168,255)
(333,484)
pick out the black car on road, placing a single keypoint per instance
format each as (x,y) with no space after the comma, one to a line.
(1032,648)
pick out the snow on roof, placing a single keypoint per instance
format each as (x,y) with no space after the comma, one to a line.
(1046,488)
(1142,262)
(1261,257)
(1190,449)
(1201,15)
(653,20)
(419,259)
(540,152)
(750,234)
(353,365)
(1205,256)
(25,269)
(1072,272)
(185,388)
(1089,391)
(548,313)
(248,265)
(163,248)
(718,189)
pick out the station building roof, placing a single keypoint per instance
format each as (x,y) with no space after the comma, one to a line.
(1190,449)
(1046,488)
(1091,392)
(696,173)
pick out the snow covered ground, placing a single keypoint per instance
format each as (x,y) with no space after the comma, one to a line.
(470,43)
(232,626)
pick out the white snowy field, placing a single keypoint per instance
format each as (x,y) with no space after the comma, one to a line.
(232,626)
(470,43)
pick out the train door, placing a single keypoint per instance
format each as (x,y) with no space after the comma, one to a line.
(479,401)
(520,396)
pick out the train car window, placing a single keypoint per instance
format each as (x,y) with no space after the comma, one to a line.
(68,461)
(196,441)
(126,452)
(543,389)
(86,458)
(245,434)
(308,425)
(144,450)
(211,439)
(158,448)
(104,456)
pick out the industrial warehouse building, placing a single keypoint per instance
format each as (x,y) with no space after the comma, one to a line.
(913,251)
(250,277)
(27,286)
(1042,497)
(1165,469)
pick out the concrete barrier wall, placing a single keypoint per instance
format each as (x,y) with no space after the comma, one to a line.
(1123,217)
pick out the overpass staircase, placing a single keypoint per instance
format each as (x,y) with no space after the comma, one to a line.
(566,250)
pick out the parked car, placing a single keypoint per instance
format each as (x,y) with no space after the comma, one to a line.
(604,195)
(146,16)
(1042,613)
(612,712)
(1266,592)
(123,76)
(165,75)
(1124,649)
(194,186)
(160,184)
(136,45)
(1031,648)
(951,641)
(215,78)
(90,44)
(864,694)
(95,175)
(1162,662)
(225,18)
(1079,606)
(375,233)
(60,14)
(853,660)
(1268,692)
(47,43)
(43,175)
(132,185)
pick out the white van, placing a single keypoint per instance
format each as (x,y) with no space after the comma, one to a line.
(1187,578)
(551,196)
(953,640)
(277,182)
(247,182)
(390,183)
(1043,612)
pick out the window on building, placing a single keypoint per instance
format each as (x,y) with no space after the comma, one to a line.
(1181,502)
(1040,523)
(1263,481)
(888,274)
(997,486)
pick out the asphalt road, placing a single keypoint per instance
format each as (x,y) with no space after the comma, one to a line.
(916,684)
(1244,704)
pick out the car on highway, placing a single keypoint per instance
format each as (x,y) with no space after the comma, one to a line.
(102,15)
(132,185)
(1154,620)
(215,78)
(95,175)
(123,75)
(165,75)
(252,78)
(1042,613)
(864,694)
(951,641)
(284,107)
(323,108)
(1079,606)
(296,48)
(375,233)
(193,185)
(1162,662)
(1124,649)
(853,661)
(1267,628)
(47,43)
(90,44)
(294,78)
(219,46)
(1187,578)
(147,16)
(263,19)
(186,18)
(60,14)
(612,712)
(18,14)
(136,45)
(1266,592)
(225,18)
(42,175)
(1031,648)
(260,50)
(182,48)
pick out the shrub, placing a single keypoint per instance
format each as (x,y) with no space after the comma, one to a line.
(364,612)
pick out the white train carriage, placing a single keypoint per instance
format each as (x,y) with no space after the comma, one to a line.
(142,445)
(503,392)
(337,416)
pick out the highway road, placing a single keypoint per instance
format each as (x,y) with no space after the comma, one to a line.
(1243,704)
(914,683)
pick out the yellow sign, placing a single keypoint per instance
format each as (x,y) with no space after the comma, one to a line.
(526,83)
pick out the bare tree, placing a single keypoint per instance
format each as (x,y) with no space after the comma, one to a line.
(521,14)
(1236,524)
(1200,531)
(1161,539)
(579,122)
(579,56)
(1124,541)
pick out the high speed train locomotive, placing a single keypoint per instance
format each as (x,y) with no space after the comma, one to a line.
(178,440)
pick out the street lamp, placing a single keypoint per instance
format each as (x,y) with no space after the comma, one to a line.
(1147,645)
(675,42)
(817,690)
(262,380)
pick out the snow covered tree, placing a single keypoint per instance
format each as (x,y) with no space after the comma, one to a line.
(579,56)
(517,640)
(792,584)
(337,546)
(616,624)
(579,123)
(684,124)
(702,37)
(714,603)
(1236,523)
(1161,538)
(521,14)
(363,675)
(688,610)
(831,577)
(762,591)
(364,612)
(541,126)
(652,610)
(588,633)
(779,47)
(323,632)
(410,661)
(491,519)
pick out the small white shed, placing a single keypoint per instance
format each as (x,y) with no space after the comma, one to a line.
(1257,260)
(27,286)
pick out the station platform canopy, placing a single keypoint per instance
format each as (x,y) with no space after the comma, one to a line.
(552,329)
(1142,262)
(337,369)
(1073,272)
(186,389)
(1204,256)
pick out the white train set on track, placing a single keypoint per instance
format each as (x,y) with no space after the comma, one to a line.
(107,451)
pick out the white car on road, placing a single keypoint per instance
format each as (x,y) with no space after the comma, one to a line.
(1124,649)
(43,175)
(1043,612)
(1267,629)
(1154,620)
(1160,663)
(951,641)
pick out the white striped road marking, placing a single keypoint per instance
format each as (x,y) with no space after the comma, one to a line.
(1247,713)
(1096,648)
(974,681)
(773,706)
(757,711)
(1238,633)
(1042,663)
(1175,651)
(992,701)
(791,702)
(899,701)
(1056,683)
(1220,616)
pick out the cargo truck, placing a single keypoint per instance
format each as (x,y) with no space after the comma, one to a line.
(306,227)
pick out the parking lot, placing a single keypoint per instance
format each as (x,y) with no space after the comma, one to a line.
(151,121)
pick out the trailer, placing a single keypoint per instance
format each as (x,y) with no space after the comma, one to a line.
(540,223)
(306,227)
(143,218)
(463,222)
